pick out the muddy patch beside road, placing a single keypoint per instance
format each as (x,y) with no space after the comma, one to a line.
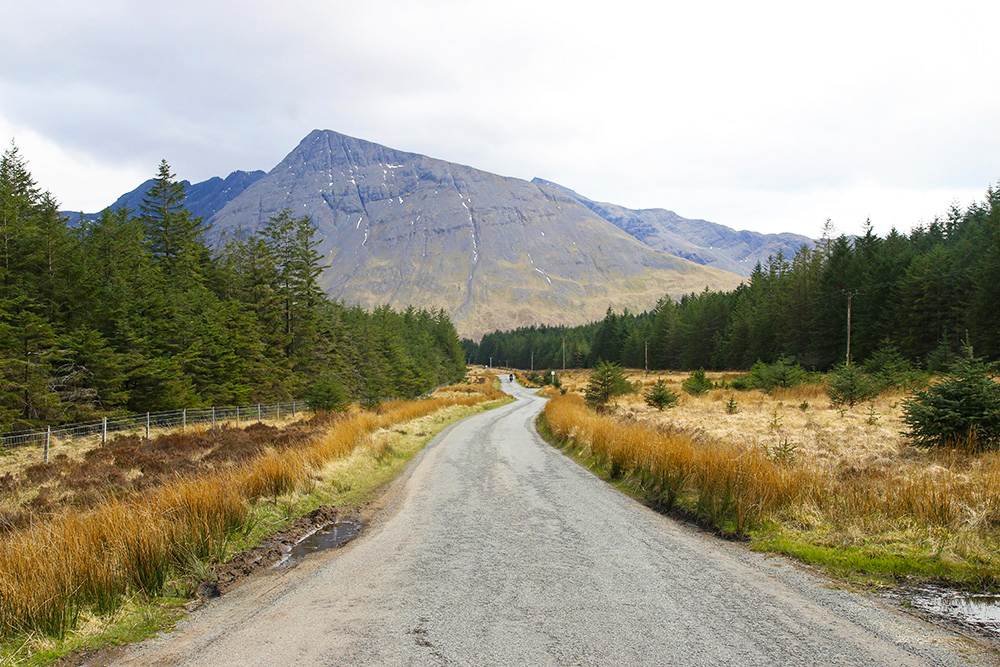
(274,550)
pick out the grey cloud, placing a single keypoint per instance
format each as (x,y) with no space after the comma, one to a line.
(633,101)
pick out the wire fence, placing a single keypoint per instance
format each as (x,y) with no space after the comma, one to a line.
(41,443)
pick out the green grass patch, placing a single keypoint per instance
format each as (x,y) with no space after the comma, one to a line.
(880,564)
(133,622)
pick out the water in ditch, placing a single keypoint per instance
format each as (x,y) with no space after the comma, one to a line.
(330,536)
(981,611)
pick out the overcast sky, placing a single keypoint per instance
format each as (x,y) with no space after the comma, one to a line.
(771,116)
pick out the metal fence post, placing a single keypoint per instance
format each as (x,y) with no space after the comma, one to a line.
(48,438)
(213,416)
(237,416)
(293,409)
(277,412)
(104,430)
(258,412)
(184,420)
(147,426)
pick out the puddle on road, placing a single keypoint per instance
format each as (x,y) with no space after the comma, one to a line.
(330,536)
(976,610)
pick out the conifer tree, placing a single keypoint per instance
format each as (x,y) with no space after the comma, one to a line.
(660,396)
(19,197)
(453,358)
(607,344)
(837,284)
(962,410)
(931,303)
(849,385)
(292,245)
(250,275)
(607,381)
(983,248)
(662,352)
(176,238)
(31,348)
(50,258)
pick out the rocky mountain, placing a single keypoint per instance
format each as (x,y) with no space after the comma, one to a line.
(495,252)
(700,241)
(203,199)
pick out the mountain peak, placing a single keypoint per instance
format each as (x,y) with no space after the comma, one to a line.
(404,229)
(329,150)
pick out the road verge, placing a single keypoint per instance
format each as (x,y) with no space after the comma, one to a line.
(345,467)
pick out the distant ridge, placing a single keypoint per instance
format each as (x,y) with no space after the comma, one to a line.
(700,241)
(203,199)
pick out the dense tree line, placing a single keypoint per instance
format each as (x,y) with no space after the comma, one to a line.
(134,312)
(922,294)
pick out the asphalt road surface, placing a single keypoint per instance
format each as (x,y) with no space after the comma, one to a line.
(498,550)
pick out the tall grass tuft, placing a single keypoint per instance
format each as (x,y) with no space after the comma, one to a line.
(730,487)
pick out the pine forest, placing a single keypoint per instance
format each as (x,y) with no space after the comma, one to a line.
(921,296)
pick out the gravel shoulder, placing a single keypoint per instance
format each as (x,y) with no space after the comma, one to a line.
(495,549)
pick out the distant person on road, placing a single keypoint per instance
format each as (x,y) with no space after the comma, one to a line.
(511,377)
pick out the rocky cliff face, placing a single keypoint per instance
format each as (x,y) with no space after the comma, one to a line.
(404,229)
(700,241)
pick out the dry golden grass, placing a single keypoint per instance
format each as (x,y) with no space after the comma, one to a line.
(858,482)
(80,562)
(732,487)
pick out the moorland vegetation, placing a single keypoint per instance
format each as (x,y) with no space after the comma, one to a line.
(900,486)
